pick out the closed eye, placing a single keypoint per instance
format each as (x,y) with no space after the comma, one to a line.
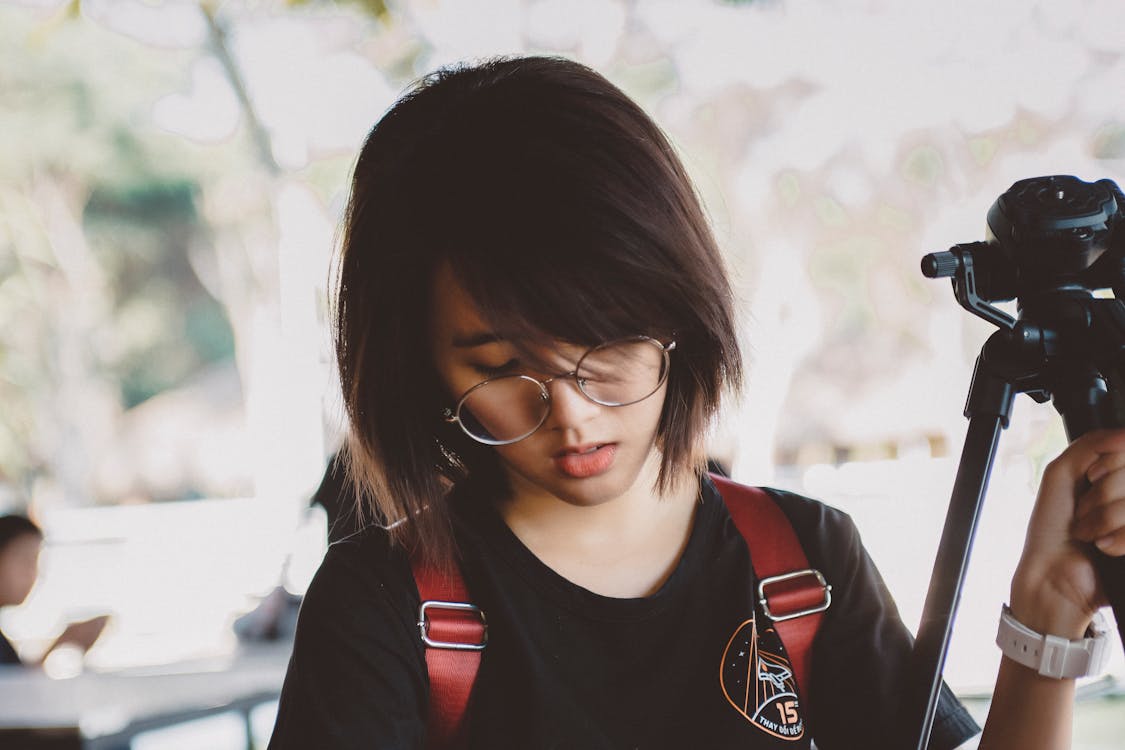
(490,371)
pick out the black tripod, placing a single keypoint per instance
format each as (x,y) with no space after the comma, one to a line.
(1052,242)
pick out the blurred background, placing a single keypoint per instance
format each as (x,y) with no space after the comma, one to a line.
(172,176)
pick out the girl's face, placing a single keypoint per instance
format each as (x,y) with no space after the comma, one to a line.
(19,567)
(584,453)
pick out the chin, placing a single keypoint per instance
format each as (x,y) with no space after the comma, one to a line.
(589,491)
(534,467)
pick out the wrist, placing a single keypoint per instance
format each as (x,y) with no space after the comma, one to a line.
(1067,625)
(1053,615)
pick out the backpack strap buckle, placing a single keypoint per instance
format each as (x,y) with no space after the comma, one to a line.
(796,594)
(459,626)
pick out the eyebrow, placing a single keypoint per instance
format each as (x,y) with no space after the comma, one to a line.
(474,339)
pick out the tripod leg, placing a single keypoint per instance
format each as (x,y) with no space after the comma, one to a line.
(950,566)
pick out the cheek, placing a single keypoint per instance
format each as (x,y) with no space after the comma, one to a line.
(31,573)
(648,412)
(12,586)
(25,576)
(522,453)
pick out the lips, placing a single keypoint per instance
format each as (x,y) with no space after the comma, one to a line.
(582,461)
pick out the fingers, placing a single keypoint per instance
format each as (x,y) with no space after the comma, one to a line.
(1081,456)
(1105,464)
(1097,455)
(1055,581)
(1099,515)
(1112,544)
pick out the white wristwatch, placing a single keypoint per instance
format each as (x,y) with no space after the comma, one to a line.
(1050,655)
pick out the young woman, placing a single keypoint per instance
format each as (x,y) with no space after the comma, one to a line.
(534,329)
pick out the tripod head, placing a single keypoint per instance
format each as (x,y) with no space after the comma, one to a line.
(1045,236)
(1051,242)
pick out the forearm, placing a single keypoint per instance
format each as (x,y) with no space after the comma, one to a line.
(1031,711)
(1028,711)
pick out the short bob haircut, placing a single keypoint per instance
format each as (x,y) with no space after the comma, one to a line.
(565,213)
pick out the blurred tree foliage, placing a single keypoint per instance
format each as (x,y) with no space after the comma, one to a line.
(99,306)
(167,325)
(131,257)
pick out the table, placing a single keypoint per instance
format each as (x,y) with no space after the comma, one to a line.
(105,711)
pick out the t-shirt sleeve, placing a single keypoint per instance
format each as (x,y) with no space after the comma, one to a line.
(357,676)
(861,654)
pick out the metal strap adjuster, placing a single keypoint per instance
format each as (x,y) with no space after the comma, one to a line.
(823,605)
(424,625)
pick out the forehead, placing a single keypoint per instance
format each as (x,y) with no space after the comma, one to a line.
(455,315)
(458,323)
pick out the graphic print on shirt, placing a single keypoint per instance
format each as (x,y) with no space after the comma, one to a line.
(757,679)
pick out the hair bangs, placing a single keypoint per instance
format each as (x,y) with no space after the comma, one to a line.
(540,288)
(558,259)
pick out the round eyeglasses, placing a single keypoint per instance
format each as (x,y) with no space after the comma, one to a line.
(508,408)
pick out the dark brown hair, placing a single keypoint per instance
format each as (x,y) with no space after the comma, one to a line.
(565,213)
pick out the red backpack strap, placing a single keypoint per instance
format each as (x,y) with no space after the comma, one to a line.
(792,594)
(454,632)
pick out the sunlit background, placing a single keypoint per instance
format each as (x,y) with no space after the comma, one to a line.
(172,176)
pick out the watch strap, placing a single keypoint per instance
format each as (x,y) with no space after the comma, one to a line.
(1050,655)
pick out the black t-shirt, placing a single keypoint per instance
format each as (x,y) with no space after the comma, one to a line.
(695,665)
(8,653)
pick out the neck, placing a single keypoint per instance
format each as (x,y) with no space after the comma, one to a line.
(625,547)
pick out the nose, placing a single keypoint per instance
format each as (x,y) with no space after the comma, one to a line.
(569,406)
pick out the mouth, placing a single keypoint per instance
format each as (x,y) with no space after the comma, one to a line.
(587,460)
(580,450)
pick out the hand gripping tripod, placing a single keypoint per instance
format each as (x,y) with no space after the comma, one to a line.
(1052,242)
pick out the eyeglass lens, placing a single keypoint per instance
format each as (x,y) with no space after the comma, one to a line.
(504,409)
(511,407)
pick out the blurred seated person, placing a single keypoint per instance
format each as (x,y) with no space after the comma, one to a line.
(275,617)
(20,543)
